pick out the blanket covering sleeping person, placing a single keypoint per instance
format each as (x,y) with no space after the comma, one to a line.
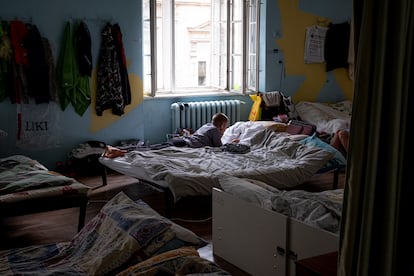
(276,158)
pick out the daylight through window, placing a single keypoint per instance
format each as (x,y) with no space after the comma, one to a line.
(200,46)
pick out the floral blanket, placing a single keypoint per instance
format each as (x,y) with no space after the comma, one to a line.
(123,234)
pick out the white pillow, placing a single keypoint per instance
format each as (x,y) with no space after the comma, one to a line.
(252,191)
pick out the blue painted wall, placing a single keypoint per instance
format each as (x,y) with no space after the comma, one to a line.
(151,119)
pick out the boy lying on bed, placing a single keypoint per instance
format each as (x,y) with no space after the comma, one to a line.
(207,135)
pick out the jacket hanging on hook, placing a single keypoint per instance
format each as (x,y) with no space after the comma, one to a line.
(73,88)
(113,91)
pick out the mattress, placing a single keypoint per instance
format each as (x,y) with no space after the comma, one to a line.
(319,209)
(328,118)
(22,178)
(275,158)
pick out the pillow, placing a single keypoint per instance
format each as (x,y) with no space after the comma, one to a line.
(181,261)
(252,191)
(338,161)
(275,126)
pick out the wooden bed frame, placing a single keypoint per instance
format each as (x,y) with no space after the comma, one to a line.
(263,242)
(52,193)
(45,204)
(165,191)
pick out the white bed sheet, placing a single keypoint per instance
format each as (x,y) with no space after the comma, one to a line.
(318,209)
(124,166)
(274,158)
(281,242)
(328,118)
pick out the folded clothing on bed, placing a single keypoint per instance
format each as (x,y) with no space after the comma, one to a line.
(235,148)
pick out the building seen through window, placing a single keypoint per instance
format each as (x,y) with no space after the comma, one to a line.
(200,46)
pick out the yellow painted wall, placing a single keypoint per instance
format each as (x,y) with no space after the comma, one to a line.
(294,23)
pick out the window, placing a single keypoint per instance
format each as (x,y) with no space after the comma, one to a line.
(201,73)
(200,45)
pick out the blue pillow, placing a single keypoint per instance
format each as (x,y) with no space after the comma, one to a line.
(338,161)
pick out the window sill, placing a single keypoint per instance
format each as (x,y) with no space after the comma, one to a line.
(193,95)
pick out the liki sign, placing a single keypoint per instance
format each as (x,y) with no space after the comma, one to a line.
(36,126)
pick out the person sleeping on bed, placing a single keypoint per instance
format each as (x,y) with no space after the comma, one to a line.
(340,141)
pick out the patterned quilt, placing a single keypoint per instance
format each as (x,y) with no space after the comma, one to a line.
(122,235)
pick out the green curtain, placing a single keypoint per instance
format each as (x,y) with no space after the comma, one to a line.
(377,232)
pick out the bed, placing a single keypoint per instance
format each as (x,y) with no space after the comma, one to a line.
(327,117)
(26,187)
(274,157)
(273,228)
(125,238)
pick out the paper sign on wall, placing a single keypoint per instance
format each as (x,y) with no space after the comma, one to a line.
(38,126)
(315,44)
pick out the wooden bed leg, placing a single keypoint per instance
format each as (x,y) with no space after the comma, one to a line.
(104,176)
(82,214)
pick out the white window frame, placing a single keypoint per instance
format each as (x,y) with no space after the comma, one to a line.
(249,49)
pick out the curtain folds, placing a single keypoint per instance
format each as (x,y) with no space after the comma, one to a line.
(377,236)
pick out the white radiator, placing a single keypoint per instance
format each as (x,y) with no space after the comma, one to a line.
(192,115)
